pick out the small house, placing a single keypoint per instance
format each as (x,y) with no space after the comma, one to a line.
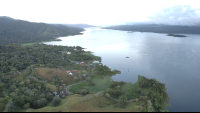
(68,52)
(70,74)
(82,62)
(77,63)
(55,93)
(96,62)
(75,49)
(75,70)
(67,71)
(91,64)
(84,74)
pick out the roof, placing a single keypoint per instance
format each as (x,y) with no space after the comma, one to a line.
(91,64)
(67,71)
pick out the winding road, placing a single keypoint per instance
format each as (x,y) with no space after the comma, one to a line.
(77,83)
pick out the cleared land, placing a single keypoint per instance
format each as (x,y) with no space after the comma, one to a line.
(76,103)
(49,72)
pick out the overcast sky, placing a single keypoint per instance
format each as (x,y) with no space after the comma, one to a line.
(102,12)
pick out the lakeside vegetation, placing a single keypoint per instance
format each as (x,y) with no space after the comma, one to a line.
(174,35)
(30,74)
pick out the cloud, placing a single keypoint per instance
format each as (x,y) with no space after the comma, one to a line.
(177,15)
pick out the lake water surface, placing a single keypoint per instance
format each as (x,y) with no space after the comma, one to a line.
(171,60)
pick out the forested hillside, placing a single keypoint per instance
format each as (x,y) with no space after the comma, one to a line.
(24,70)
(19,31)
(158,28)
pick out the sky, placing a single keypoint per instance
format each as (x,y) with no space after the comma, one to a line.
(103,12)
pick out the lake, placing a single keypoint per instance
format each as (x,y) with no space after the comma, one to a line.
(171,60)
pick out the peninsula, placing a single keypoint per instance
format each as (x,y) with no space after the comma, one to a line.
(47,78)
(174,35)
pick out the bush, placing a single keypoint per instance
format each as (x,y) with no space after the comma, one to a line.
(107,95)
(99,94)
(9,107)
(86,98)
(56,100)
(84,92)
(26,106)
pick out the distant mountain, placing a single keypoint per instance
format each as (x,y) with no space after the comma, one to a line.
(20,31)
(80,25)
(158,28)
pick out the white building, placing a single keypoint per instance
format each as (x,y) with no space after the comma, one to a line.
(70,74)
(96,62)
(68,52)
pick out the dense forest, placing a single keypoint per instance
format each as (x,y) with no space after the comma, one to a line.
(158,28)
(20,31)
(20,57)
(20,84)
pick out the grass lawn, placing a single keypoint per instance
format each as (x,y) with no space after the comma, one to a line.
(129,85)
(101,84)
(74,103)
(26,44)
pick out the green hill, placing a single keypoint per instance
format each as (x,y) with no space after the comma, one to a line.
(20,31)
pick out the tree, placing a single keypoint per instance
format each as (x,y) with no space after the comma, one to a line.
(9,107)
(122,100)
(43,101)
(56,100)
(26,106)
(107,95)
(84,91)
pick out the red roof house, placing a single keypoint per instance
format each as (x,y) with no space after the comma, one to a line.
(75,70)
(67,71)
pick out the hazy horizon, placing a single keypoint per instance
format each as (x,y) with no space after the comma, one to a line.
(102,12)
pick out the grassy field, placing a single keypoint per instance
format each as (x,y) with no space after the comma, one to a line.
(26,44)
(126,86)
(75,103)
(101,84)
(48,72)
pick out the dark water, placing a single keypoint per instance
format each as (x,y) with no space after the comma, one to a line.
(171,60)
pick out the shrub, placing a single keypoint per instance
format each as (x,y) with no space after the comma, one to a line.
(84,92)
(99,94)
(107,95)
(56,100)
(26,106)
